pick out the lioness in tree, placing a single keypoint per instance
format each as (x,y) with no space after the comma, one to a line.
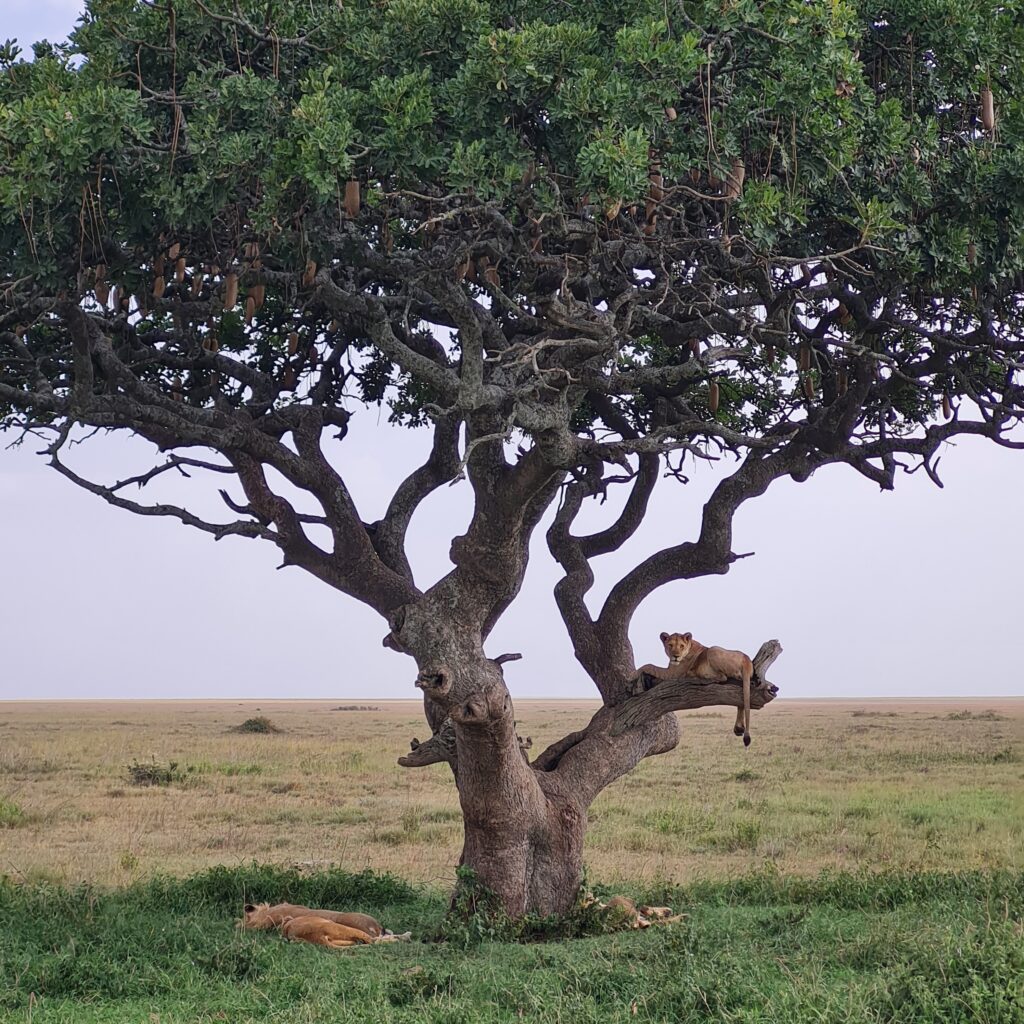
(687,657)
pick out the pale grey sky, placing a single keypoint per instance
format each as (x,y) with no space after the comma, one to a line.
(872,595)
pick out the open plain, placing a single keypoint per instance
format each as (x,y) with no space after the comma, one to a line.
(847,785)
(860,863)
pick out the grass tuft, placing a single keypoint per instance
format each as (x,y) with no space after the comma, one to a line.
(11,815)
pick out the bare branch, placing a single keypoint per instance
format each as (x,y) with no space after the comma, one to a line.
(241,528)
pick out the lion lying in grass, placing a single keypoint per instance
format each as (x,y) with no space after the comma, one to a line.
(321,932)
(634,915)
(263,917)
(331,928)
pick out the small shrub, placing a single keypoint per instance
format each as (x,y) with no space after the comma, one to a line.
(746,775)
(259,724)
(128,861)
(153,773)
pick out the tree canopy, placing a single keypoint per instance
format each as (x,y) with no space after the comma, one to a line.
(584,244)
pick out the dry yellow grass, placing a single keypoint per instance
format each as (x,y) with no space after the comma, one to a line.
(841,784)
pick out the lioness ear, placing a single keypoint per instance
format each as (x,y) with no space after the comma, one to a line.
(664,637)
(249,908)
(687,636)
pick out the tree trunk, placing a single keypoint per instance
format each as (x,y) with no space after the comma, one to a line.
(533,863)
(523,833)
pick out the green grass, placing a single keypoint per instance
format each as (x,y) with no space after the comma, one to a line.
(11,815)
(890,949)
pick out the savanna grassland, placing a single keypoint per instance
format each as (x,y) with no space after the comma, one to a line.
(839,785)
(861,863)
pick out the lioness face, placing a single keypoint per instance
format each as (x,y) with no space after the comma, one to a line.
(256,917)
(677,646)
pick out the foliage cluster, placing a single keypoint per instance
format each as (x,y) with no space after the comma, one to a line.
(860,127)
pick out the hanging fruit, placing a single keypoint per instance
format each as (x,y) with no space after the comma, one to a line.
(293,343)
(179,269)
(102,292)
(713,396)
(250,309)
(159,287)
(670,113)
(259,294)
(809,387)
(947,409)
(173,251)
(805,358)
(351,202)
(309,274)
(230,291)
(288,378)
(988,110)
(734,179)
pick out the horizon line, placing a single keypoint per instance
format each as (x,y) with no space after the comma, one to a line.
(418,700)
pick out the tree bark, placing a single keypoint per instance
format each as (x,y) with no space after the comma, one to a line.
(523,831)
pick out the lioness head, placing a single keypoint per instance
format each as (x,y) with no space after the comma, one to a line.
(677,646)
(257,916)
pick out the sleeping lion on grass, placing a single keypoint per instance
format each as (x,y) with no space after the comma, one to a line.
(332,928)
(263,916)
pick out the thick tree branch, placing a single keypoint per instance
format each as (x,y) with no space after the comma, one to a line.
(441,466)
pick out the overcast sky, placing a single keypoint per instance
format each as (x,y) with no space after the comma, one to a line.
(912,593)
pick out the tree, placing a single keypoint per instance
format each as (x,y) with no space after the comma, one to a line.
(582,245)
